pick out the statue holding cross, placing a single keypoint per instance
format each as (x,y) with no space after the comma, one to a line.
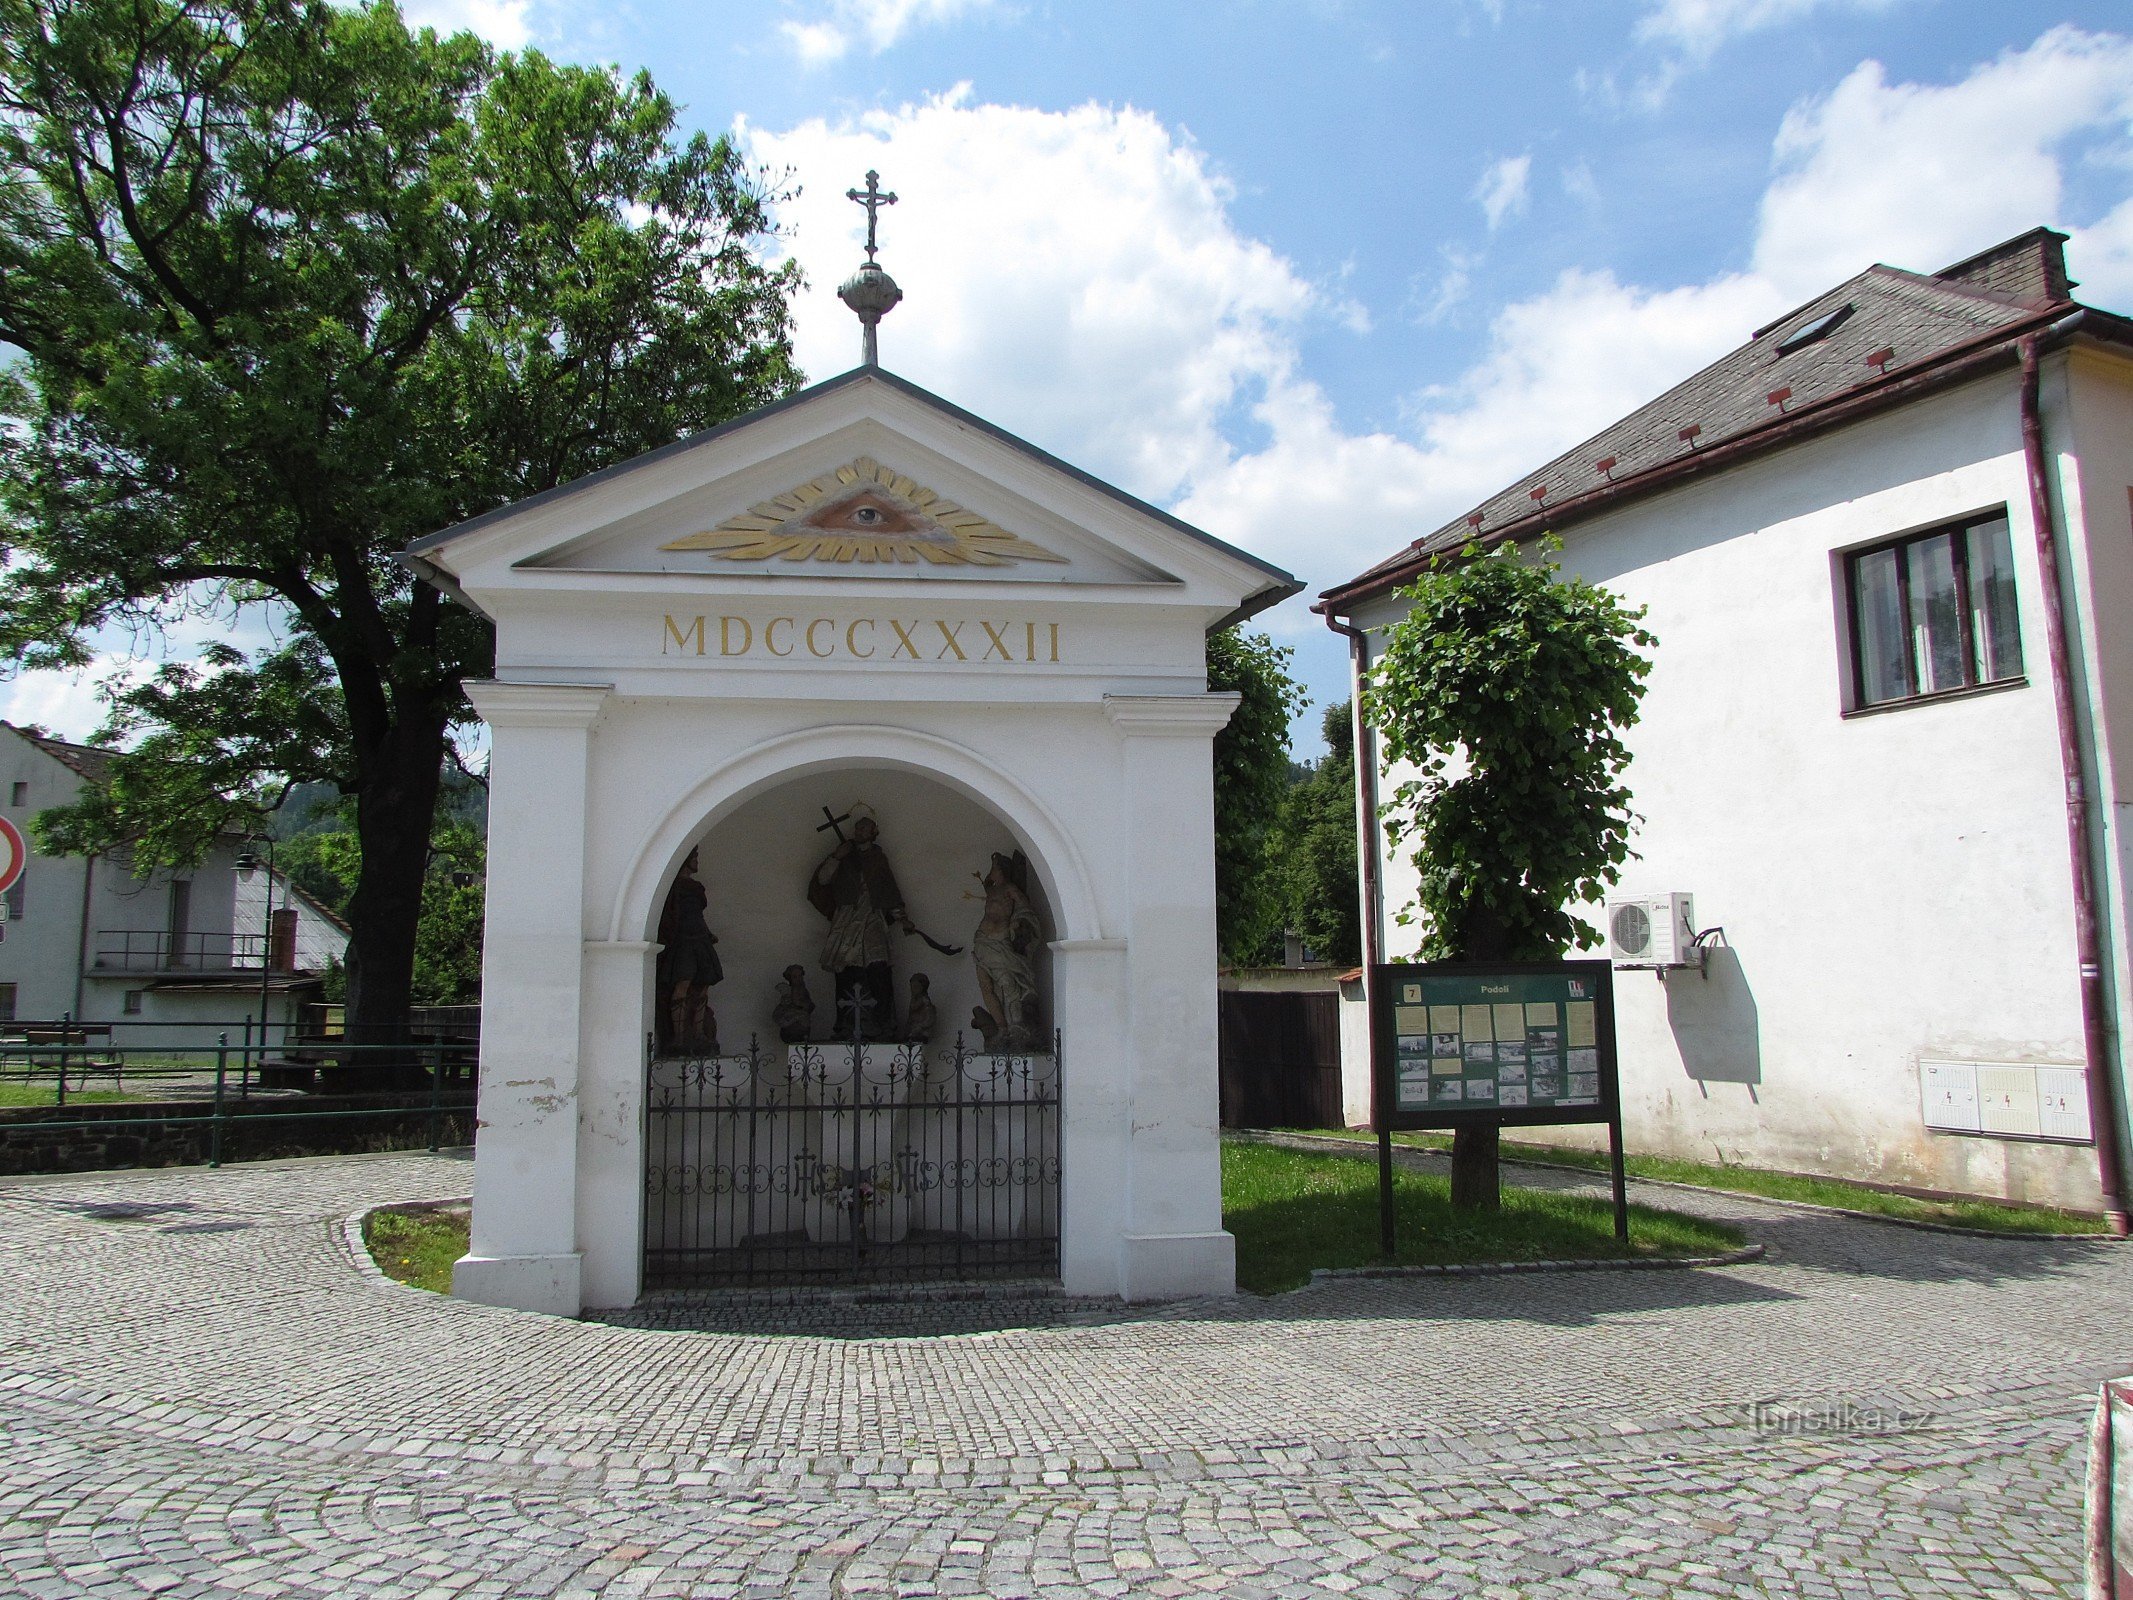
(856,891)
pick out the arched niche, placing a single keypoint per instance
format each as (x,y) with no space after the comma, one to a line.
(1056,859)
(757,857)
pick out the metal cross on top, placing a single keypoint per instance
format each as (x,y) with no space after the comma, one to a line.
(873,199)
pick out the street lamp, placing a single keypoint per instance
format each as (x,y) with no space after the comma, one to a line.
(248,863)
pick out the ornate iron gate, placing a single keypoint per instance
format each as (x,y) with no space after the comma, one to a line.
(848,1163)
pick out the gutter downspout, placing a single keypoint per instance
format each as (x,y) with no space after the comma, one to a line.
(81,963)
(2103,1099)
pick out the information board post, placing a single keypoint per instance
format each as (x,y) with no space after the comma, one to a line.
(1507,1044)
(1620,1178)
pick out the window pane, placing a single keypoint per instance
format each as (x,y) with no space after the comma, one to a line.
(1936,613)
(1884,644)
(1992,602)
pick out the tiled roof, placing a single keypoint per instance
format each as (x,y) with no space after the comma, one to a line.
(86,760)
(1887,325)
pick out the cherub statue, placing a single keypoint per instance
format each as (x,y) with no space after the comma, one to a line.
(920,1019)
(794,1013)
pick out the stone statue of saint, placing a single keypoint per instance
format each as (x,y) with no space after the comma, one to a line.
(1002,948)
(920,1018)
(794,1014)
(855,889)
(688,966)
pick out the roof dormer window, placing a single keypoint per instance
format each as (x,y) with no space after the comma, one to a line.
(1820,328)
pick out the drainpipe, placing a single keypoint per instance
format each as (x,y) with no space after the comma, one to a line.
(81,965)
(2103,1097)
(1366,796)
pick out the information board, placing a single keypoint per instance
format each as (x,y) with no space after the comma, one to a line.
(1520,1042)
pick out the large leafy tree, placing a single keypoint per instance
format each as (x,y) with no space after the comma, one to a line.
(1505,690)
(1310,850)
(293,285)
(1251,777)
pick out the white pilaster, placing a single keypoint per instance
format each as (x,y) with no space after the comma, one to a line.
(1096,1112)
(524,1251)
(616,1017)
(1172,1243)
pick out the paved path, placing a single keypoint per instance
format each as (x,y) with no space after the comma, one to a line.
(200,1394)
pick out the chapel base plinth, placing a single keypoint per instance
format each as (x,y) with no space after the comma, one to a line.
(548,1284)
(1177,1266)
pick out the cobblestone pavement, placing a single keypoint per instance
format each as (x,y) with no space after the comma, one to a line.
(201,1394)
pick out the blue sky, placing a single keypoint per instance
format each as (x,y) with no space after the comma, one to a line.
(1320,275)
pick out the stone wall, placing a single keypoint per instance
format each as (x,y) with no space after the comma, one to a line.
(168,1133)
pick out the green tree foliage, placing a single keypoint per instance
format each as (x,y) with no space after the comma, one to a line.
(1251,779)
(326,863)
(294,286)
(1505,689)
(1310,851)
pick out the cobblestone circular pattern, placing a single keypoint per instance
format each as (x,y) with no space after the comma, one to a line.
(203,1394)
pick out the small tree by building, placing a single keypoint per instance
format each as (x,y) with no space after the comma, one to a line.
(1505,691)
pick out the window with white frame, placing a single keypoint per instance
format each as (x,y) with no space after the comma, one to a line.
(1933,613)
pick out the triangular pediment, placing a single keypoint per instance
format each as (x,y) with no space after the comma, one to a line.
(865,479)
(867,513)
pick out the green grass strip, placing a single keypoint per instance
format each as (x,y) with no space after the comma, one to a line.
(1983,1214)
(417,1246)
(1293,1210)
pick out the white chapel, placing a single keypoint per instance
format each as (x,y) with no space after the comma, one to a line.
(858,623)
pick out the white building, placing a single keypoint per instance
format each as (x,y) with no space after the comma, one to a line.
(164,955)
(858,601)
(1852,752)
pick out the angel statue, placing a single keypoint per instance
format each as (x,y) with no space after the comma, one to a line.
(1005,941)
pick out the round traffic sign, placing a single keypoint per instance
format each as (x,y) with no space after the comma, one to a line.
(14,854)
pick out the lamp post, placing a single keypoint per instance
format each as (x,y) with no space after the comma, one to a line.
(247,864)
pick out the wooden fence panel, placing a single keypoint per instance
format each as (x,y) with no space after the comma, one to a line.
(1281,1060)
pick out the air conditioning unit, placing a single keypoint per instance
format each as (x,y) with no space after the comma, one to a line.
(1653,930)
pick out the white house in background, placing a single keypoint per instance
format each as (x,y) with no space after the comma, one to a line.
(163,953)
(1864,723)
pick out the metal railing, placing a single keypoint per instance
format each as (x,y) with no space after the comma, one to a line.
(145,950)
(232,1076)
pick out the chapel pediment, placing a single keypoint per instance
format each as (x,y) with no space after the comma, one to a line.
(864,479)
(867,513)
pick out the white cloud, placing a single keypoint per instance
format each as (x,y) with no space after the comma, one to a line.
(502,22)
(66,704)
(2101,259)
(1453,285)
(880,23)
(1697,28)
(1919,175)
(1073,275)
(1076,276)
(1502,189)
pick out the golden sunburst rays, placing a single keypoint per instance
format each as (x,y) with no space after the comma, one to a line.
(868,513)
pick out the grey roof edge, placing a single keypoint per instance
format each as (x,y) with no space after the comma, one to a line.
(800,397)
(2052,325)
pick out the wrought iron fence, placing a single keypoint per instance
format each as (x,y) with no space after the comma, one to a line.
(851,1163)
(222,1077)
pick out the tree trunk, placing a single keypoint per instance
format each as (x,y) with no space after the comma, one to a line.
(395,805)
(1477,1183)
